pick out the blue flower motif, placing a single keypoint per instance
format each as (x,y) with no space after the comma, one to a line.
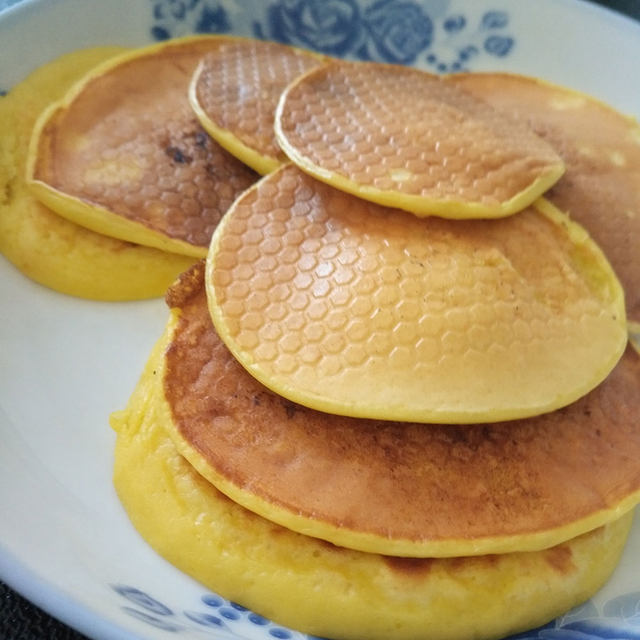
(212,600)
(329,26)
(179,17)
(453,24)
(212,20)
(400,30)
(258,620)
(204,619)
(495,20)
(498,45)
(142,599)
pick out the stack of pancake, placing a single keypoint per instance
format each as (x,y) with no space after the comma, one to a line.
(397,399)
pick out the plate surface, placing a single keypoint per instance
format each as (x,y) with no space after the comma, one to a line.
(65,542)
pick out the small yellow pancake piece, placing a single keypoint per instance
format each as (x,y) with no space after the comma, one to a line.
(358,309)
(396,488)
(404,138)
(235,91)
(601,150)
(325,590)
(44,246)
(123,154)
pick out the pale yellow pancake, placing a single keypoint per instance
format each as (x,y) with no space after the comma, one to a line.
(404,138)
(44,246)
(601,151)
(123,154)
(354,308)
(323,589)
(235,91)
(390,487)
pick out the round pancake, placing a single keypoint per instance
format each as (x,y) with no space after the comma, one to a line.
(123,154)
(601,151)
(44,246)
(397,488)
(404,138)
(235,91)
(353,308)
(326,590)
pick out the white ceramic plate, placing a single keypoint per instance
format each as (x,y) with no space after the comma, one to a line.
(65,542)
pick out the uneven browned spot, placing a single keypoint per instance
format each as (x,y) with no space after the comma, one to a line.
(415,567)
(188,285)
(560,558)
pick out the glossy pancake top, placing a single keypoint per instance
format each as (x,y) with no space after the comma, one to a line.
(235,91)
(124,154)
(601,151)
(400,488)
(354,308)
(405,138)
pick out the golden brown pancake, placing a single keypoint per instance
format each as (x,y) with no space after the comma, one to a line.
(325,590)
(44,246)
(601,151)
(404,138)
(235,91)
(398,488)
(123,153)
(354,308)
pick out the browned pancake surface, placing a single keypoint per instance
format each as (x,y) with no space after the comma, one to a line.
(239,85)
(402,137)
(402,480)
(129,142)
(601,150)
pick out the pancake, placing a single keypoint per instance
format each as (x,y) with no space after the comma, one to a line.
(390,487)
(354,308)
(404,138)
(44,246)
(235,91)
(317,587)
(123,154)
(601,151)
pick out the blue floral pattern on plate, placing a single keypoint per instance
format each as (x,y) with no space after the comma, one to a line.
(619,619)
(394,31)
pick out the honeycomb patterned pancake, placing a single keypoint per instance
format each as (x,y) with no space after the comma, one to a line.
(44,246)
(123,154)
(405,138)
(322,589)
(353,308)
(601,150)
(396,488)
(235,91)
